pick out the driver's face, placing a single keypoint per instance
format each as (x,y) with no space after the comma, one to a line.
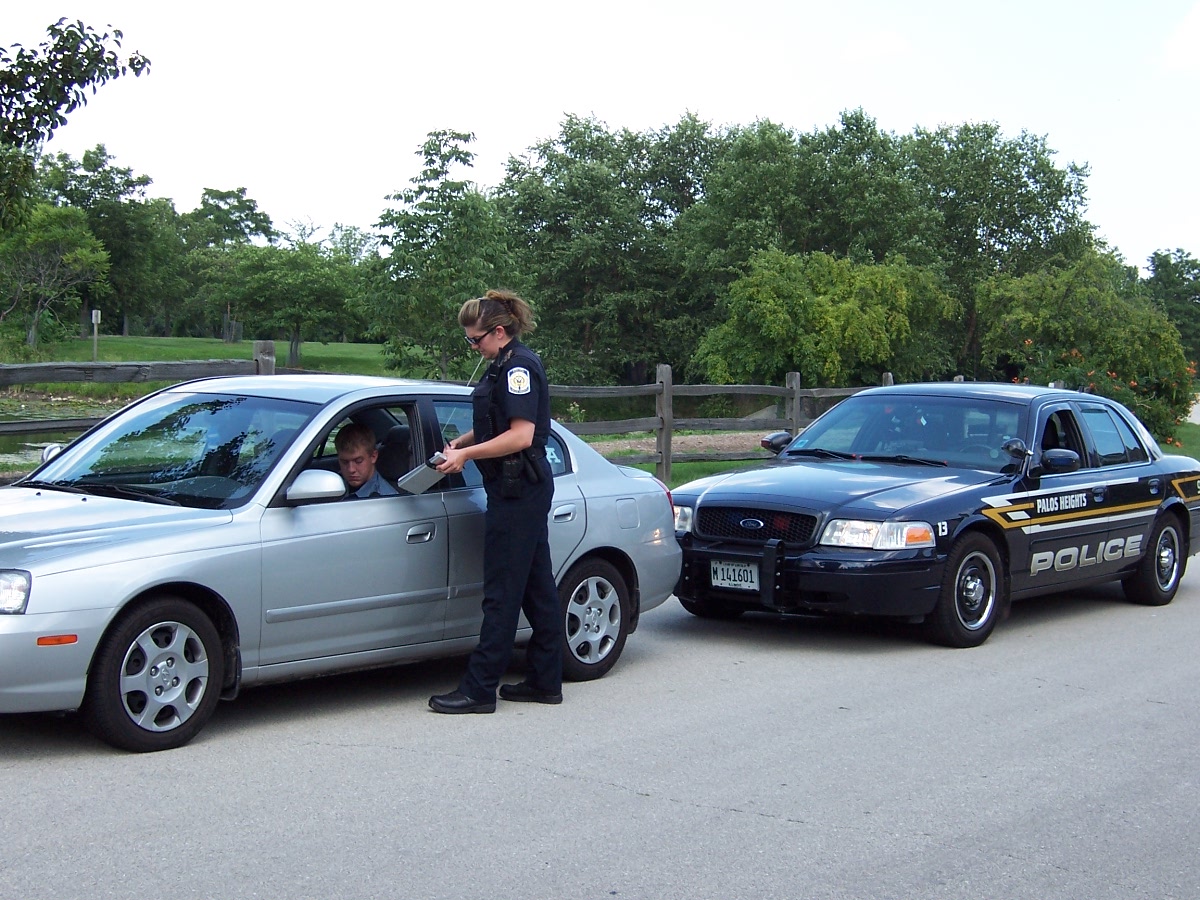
(357,465)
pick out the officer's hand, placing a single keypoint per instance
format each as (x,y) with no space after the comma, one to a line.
(454,461)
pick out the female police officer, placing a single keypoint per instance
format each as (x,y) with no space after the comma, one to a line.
(511,420)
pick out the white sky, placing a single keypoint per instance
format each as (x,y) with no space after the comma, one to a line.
(318,109)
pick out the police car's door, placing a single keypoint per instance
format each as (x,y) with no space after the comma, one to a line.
(1064,531)
(1135,487)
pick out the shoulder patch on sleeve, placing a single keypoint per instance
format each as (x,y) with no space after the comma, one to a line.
(518,380)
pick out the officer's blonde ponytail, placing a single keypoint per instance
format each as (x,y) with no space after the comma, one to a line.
(495,309)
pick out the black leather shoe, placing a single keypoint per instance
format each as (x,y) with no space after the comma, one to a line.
(524,692)
(458,702)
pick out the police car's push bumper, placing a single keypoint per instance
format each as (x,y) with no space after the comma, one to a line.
(822,579)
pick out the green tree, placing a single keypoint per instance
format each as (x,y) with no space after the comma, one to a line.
(594,213)
(297,292)
(224,218)
(833,320)
(1004,208)
(130,228)
(1082,323)
(445,243)
(45,263)
(1174,284)
(38,87)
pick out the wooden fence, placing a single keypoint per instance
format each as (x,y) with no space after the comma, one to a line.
(799,405)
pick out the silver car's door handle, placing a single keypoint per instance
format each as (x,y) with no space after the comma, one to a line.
(565,513)
(420,534)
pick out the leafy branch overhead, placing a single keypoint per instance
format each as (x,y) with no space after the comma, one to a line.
(38,87)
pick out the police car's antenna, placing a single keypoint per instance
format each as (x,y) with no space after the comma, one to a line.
(477,365)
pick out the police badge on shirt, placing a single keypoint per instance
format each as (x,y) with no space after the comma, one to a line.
(519,381)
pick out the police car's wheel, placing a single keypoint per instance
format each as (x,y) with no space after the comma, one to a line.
(1156,579)
(156,677)
(595,603)
(972,594)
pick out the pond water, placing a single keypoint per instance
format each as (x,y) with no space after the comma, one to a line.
(25,450)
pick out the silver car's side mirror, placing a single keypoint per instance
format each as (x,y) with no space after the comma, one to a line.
(50,451)
(316,484)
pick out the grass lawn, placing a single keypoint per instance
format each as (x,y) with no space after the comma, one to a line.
(363,359)
(354,359)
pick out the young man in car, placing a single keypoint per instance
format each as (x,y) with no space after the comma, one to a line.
(357,454)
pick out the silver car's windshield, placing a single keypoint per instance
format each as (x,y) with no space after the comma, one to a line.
(210,451)
(967,432)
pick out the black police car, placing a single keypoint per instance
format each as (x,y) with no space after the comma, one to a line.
(941,503)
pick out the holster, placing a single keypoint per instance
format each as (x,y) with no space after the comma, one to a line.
(512,471)
(517,470)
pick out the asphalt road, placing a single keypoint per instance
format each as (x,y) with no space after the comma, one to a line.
(754,759)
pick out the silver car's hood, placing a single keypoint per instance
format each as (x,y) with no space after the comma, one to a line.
(38,525)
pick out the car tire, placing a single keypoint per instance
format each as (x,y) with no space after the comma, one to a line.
(1160,569)
(596,606)
(972,596)
(706,609)
(156,677)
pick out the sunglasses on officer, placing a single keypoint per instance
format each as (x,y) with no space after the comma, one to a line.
(475,341)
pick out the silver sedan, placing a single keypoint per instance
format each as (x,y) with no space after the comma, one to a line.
(201,541)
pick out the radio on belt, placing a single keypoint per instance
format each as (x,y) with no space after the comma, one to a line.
(423,477)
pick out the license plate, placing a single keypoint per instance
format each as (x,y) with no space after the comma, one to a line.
(739,576)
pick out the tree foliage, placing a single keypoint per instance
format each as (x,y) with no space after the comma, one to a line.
(1174,284)
(593,212)
(44,264)
(120,217)
(1002,206)
(297,293)
(1080,323)
(831,319)
(446,243)
(224,218)
(38,87)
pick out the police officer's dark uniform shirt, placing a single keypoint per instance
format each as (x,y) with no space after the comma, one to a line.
(518,382)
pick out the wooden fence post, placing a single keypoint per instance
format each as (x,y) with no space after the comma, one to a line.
(666,422)
(264,357)
(794,407)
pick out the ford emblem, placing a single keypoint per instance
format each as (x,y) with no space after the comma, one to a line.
(752,524)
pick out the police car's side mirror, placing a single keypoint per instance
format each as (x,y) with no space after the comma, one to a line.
(1060,460)
(776,441)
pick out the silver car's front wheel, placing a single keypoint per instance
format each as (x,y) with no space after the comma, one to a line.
(596,606)
(156,677)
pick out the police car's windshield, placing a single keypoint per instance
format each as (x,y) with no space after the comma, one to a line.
(967,432)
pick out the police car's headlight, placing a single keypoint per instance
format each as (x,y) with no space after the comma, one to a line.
(683,518)
(877,535)
(14,591)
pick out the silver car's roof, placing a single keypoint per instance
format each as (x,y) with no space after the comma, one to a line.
(320,389)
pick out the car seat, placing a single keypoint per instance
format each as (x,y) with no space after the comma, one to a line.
(395,453)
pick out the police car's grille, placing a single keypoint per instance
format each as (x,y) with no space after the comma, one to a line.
(744,523)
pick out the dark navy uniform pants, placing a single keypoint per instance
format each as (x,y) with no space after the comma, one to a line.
(517,577)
